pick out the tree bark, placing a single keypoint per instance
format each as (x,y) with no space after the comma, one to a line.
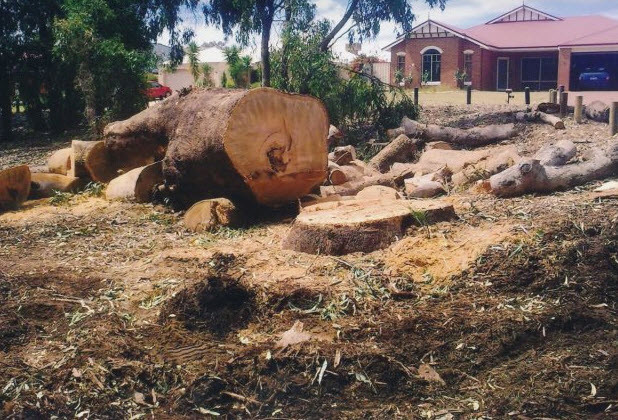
(339,26)
(260,145)
(5,107)
(267,15)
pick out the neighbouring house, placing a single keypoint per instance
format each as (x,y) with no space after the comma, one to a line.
(181,76)
(521,48)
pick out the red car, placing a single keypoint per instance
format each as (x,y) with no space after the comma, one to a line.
(157,91)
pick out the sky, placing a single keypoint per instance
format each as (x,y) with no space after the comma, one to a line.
(460,13)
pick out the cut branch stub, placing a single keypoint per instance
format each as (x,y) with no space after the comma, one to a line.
(358,225)
(14,187)
(260,145)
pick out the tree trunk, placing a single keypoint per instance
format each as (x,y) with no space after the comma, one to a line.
(552,120)
(284,47)
(333,33)
(267,15)
(260,145)
(5,107)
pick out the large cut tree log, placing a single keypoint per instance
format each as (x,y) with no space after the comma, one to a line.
(530,176)
(14,187)
(401,149)
(472,137)
(259,145)
(357,225)
(136,185)
(60,161)
(44,185)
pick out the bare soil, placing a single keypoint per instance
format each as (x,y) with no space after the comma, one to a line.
(114,310)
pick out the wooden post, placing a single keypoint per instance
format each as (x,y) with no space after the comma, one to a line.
(551,95)
(613,119)
(527,95)
(564,100)
(579,102)
(554,96)
(416,96)
(469,95)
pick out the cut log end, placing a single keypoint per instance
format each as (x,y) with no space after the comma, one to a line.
(277,143)
(208,215)
(44,185)
(136,185)
(14,187)
(60,161)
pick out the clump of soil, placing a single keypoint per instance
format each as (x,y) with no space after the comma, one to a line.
(219,304)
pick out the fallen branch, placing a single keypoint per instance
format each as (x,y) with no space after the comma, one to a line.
(552,120)
(401,149)
(477,136)
(529,175)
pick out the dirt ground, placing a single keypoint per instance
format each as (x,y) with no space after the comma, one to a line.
(114,310)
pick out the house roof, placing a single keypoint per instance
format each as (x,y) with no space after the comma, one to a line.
(527,28)
(545,33)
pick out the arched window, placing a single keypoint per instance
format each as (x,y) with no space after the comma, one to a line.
(431,65)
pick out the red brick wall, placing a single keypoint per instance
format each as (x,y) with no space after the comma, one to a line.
(451,60)
(484,62)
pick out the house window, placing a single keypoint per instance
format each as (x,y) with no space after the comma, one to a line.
(431,66)
(468,68)
(401,63)
(539,73)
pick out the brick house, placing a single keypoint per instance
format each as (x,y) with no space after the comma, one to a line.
(521,48)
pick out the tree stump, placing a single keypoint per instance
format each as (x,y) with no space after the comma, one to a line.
(259,145)
(14,187)
(358,225)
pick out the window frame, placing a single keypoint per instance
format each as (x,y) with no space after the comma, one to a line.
(434,58)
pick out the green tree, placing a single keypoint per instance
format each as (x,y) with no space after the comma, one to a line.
(365,17)
(359,103)
(109,43)
(48,77)
(238,66)
(250,17)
